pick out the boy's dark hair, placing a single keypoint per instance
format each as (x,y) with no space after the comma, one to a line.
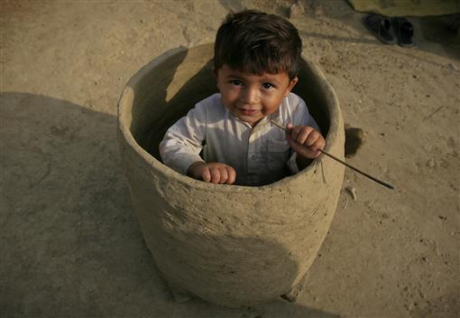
(256,42)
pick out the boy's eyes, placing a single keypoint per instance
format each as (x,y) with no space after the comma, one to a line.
(236,82)
(267,85)
(240,83)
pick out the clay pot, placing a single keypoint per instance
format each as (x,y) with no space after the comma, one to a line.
(229,245)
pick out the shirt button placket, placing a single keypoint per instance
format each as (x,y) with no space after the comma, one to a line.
(251,153)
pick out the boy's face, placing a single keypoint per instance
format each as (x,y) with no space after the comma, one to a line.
(251,97)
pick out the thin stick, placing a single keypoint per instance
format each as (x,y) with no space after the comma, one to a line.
(342,162)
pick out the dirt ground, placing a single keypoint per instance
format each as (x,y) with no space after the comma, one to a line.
(70,243)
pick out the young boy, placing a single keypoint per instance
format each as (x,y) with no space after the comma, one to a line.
(256,60)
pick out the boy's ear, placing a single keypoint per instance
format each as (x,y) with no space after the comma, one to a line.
(291,85)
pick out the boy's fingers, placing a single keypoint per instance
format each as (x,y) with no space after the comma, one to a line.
(231,175)
(300,133)
(228,175)
(215,175)
(315,154)
(312,138)
(302,136)
(206,175)
(223,175)
(319,144)
(219,174)
(310,152)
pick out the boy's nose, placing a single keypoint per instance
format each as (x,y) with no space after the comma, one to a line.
(250,96)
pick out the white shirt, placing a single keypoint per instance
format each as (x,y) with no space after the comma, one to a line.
(260,155)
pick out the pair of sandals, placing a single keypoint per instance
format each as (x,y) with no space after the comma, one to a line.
(390,30)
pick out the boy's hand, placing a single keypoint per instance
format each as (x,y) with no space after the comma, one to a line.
(213,172)
(305,140)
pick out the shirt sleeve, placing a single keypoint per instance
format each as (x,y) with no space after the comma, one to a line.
(301,116)
(182,142)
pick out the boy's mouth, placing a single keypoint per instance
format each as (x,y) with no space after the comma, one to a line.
(248,112)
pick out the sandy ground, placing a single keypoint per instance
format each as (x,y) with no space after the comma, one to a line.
(70,243)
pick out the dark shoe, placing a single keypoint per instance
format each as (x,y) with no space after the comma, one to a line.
(380,26)
(404,31)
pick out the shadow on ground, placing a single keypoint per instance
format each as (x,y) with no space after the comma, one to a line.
(71,245)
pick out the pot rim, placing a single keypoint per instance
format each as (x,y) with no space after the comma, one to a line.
(125,105)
